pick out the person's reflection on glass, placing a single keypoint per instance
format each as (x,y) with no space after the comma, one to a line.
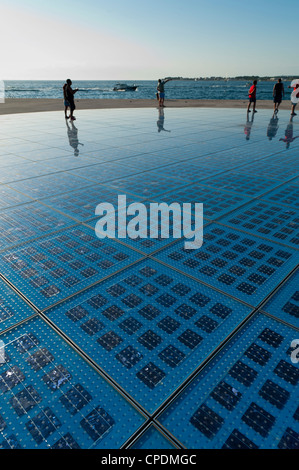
(160,122)
(72,133)
(248,126)
(272,127)
(289,134)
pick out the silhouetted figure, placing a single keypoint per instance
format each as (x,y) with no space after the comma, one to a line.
(252,97)
(278,93)
(69,102)
(161,90)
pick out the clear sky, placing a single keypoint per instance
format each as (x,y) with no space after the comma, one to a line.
(143,39)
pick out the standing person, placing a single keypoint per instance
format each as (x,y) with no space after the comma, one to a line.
(161,91)
(278,93)
(294,97)
(252,97)
(69,98)
(65,101)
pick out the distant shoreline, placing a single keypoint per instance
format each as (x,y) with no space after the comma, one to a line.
(30,105)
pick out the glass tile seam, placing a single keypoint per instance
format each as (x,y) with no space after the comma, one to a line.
(281,204)
(133,402)
(232,227)
(110,180)
(48,234)
(39,199)
(15,206)
(200,281)
(17,324)
(238,191)
(209,218)
(36,176)
(159,428)
(213,152)
(117,240)
(225,342)
(278,319)
(79,351)
(59,211)
(138,250)
(103,279)
(96,162)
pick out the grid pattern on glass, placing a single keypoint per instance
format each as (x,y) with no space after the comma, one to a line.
(202,143)
(146,186)
(12,308)
(51,398)
(148,327)
(190,172)
(287,194)
(268,170)
(10,198)
(275,222)
(215,203)
(104,172)
(49,185)
(29,221)
(285,304)
(24,171)
(237,263)
(52,268)
(241,184)
(153,439)
(246,398)
(81,204)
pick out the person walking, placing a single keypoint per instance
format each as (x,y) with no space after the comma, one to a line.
(69,101)
(161,90)
(278,93)
(252,97)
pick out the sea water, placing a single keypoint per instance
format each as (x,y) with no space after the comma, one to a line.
(177,89)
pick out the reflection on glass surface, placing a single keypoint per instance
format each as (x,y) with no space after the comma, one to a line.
(160,122)
(272,127)
(72,133)
(289,137)
(248,126)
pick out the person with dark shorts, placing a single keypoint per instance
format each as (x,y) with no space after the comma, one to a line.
(252,97)
(278,93)
(69,101)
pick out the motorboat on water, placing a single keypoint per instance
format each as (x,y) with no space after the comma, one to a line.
(124,87)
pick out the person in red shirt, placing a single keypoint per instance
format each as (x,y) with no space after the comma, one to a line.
(252,97)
